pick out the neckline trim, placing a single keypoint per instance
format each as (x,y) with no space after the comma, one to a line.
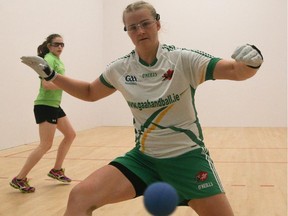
(146,64)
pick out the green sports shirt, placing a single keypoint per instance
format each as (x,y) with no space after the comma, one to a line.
(161,97)
(51,97)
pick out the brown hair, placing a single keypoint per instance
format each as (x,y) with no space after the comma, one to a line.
(42,49)
(139,5)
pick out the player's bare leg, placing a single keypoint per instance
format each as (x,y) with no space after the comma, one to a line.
(65,127)
(104,186)
(212,206)
(46,132)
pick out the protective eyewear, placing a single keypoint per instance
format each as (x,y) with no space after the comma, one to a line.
(56,44)
(146,24)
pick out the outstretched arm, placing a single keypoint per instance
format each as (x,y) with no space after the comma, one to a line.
(233,70)
(247,60)
(83,90)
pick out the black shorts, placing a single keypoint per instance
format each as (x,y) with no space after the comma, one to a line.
(50,114)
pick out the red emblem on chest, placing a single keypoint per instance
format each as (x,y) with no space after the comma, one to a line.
(168,75)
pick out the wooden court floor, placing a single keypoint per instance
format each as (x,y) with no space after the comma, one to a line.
(252,163)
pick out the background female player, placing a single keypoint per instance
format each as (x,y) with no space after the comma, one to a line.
(50,116)
(158,82)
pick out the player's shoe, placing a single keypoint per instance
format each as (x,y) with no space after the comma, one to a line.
(22,185)
(59,175)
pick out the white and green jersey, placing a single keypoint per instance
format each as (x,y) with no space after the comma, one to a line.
(161,97)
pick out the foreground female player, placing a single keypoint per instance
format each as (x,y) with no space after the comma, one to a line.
(158,82)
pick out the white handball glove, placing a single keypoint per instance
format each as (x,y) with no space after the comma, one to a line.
(248,54)
(41,67)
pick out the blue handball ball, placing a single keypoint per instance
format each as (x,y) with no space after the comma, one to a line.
(160,199)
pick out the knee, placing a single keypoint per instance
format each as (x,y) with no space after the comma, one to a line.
(75,198)
(45,147)
(70,136)
(79,200)
(74,195)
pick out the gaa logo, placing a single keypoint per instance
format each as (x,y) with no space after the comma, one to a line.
(129,79)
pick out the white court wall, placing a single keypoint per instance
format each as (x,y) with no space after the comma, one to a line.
(94,36)
(24,26)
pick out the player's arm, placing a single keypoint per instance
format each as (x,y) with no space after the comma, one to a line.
(49,85)
(83,90)
(79,89)
(247,60)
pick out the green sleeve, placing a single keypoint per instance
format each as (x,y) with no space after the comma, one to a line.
(102,79)
(210,68)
